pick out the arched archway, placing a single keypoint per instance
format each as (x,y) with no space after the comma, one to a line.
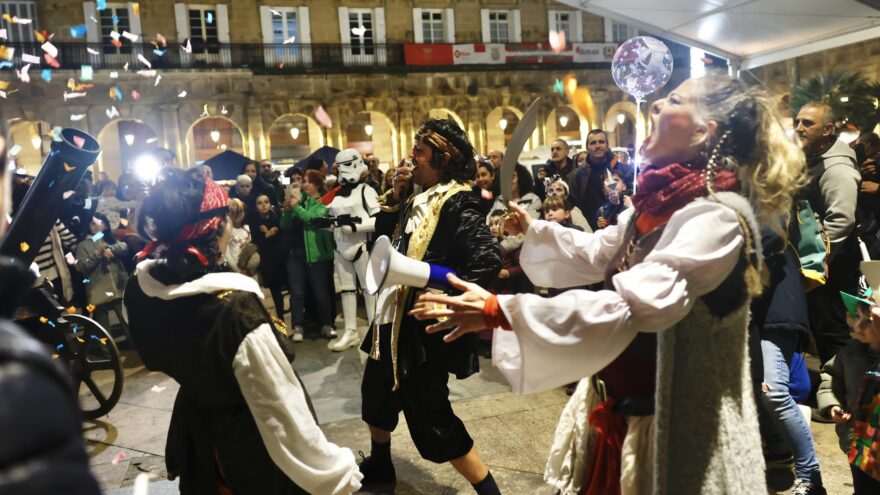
(373,133)
(209,136)
(292,137)
(500,124)
(34,140)
(620,124)
(567,123)
(445,113)
(122,142)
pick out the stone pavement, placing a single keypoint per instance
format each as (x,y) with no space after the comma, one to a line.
(513,433)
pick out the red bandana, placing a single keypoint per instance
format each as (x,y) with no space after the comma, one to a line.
(211,212)
(663,191)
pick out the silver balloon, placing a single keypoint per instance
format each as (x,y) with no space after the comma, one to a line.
(641,66)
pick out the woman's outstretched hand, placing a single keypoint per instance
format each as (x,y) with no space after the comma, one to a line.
(518,220)
(463,313)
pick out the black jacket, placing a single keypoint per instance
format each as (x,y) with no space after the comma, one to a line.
(462,242)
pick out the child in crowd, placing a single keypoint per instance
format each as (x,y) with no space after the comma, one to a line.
(99,259)
(842,377)
(111,206)
(557,209)
(616,201)
(264,224)
(241,254)
(559,188)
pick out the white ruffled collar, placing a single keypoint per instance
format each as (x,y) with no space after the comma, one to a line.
(205,284)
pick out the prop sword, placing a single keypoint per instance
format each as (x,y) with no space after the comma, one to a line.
(524,129)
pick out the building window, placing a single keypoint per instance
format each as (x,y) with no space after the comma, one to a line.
(561,21)
(499,26)
(114,18)
(203,29)
(432,26)
(21,33)
(360,25)
(620,32)
(285,27)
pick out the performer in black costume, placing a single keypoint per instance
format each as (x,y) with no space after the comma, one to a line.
(409,369)
(241,421)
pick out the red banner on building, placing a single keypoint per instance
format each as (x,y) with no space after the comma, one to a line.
(511,53)
(428,54)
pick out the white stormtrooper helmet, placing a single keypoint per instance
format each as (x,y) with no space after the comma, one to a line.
(350,165)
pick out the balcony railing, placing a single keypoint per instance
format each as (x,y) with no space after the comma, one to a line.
(299,58)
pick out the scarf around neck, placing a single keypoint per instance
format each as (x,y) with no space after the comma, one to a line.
(663,191)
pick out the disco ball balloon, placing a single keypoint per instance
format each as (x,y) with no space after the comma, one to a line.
(641,66)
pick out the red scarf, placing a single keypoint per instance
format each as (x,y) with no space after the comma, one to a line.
(663,191)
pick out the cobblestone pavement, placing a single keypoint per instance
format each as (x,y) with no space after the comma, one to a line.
(513,433)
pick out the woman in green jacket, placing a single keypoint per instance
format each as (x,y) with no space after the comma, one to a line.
(311,256)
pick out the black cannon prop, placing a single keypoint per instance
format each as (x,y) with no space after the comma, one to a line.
(86,349)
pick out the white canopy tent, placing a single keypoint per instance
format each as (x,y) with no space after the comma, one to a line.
(749,33)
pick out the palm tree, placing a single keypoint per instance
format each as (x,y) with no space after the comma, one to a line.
(851,97)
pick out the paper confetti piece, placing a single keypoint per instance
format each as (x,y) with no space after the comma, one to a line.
(358,31)
(187,47)
(209,19)
(72,95)
(114,74)
(56,356)
(116,43)
(204,111)
(93,19)
(86,281)
(79,31)
(7,53)
(131,37)
(16,20)
(144,60)
(182,94)
(275,12)
(136,9)
(79,141)
(3,94)
(162,40)
(68,167)
(52,61)
(125,67)
(97,237)
(557,41)
(40,37)
(68,257)
(223,110)
(157,389)
(323,118)
(90,308)
(49,48)
(23,74)
(85,73)
(92,51)
(2,34)
(119,457)
(123,221)
(4,84)
(289,40)
(135,95)
(76,117)
(102,4)
(158,78)
(30,59)
(46,75)
(147,73)
(158,52)
(281,65)
(71,310)
(23,246)
(44,320)
(112,112)
(114,35)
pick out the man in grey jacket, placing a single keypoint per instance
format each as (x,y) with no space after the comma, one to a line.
(832,192)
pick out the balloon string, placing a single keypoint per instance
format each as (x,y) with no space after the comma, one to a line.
(640,137)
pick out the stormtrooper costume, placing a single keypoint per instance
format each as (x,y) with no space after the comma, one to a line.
(361,203)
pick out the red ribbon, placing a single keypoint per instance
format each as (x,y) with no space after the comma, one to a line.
(610,429)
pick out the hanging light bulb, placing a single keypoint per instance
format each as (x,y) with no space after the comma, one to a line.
(369,129)
(215,135)
(563,121)
(36,142)
(621,118)
(294,133)
(502,124)
(129,139)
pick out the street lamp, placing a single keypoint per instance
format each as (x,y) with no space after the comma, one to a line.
(129,139)
(215,135)
(369,129)
(563,121)
(294,133)
(502,124)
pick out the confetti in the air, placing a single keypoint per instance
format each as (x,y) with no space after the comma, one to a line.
(158,78)
(323,117)
(68,194)
(16,20)
(52,61)
(112,112)
(557,87)
(223,110)
(147,73)
(289,40)
(86,281)
(3,94)
(102,4)
(119,457)
(136,9)
(7,53)
(79,31)
(125,67)
(79,141)
(72,95)
(68,167)
(46,75)
(358,31)
(68,257)
(2,34)
(275,12)
(114,35)
(135,95)
(144,60)
(209,19)
(116,43)
(23,246)
(49,48)
(114,74)
(23,74)
(92,51)
(158,52)
(76,117)
(130,37)
(44,320)
(557,41)
(90,308)
(187,47)
(157,389)
(204,111)
(29,59)
(85,73)
(182,94)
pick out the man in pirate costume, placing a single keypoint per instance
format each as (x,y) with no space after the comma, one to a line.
(242,422)
(408,370)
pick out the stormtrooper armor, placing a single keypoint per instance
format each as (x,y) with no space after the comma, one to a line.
(359,202)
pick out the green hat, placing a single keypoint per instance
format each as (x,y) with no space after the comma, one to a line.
(852,302)
(869,285)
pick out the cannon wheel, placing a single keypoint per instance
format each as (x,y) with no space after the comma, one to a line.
(93,350)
